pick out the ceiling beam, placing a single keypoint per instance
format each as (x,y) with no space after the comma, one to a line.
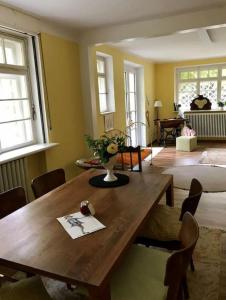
(204,36)
(214,17)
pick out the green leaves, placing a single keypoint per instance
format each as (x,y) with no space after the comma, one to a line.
(99,146)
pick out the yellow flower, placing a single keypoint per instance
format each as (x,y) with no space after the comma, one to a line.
(112,148)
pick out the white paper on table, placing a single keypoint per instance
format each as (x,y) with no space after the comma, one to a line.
(78,225)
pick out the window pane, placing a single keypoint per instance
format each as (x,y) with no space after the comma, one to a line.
(209,89)
(2,59)
(127,118)
(131,82)
(187,91)
(132,101)
(183,75)
(223,90)
(223,72)
(14,110)
(204,74)
(100,66)
(193,74)
(15,133)
(213,73)
(133,137)
(133,117)
(187,87)
(103,102)
(102,85)
(14,51)
(13,86)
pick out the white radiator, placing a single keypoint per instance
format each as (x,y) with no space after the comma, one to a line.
(208,124)
(13,174)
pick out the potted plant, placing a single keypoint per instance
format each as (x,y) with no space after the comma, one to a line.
(221,104)
(106,148)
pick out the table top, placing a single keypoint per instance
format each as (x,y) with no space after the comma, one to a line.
(167,123)
(34,241)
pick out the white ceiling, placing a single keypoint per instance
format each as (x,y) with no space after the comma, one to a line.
(74,15)
(86,14)
(181,46)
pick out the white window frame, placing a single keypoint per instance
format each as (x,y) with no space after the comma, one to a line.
(199,68)
(38,121)
(103,76)
(109,82)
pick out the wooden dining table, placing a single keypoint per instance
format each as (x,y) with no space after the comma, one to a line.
(32,239)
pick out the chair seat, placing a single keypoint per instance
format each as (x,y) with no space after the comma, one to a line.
(31,288)
(140,276)
(163,224)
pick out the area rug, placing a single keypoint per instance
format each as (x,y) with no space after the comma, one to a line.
(214,157)
(212,178)
(206,283)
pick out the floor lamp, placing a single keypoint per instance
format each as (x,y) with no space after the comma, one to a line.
(157,105)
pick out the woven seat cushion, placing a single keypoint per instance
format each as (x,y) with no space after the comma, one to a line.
(140,276)
(163,224)
(31,288)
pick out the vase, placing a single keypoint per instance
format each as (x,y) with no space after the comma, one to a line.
(110,177)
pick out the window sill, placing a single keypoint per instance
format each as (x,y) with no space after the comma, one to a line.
(26,151)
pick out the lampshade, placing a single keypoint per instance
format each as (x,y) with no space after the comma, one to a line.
(158,103)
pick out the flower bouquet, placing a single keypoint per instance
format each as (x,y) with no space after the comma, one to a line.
(106,148)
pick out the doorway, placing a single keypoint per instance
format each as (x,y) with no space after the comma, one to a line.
(135,104)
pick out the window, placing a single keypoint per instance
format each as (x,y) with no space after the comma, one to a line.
(102,83)
(206,80)
(17,115)
(105,83)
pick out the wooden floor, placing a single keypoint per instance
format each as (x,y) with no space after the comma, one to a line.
(212,207)
(169,157)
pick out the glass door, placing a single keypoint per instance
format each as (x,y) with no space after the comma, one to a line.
(131,104)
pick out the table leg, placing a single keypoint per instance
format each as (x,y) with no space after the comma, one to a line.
(100,293)
(170,194)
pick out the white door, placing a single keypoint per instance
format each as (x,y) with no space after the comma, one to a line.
(131,103)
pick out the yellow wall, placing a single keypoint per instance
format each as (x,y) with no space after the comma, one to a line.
(63,89)
(164,82)
(118,69)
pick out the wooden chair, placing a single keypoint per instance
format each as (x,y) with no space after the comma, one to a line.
(164,223)
(134,161)
(162,229)
(10,201)
(148,273)
(47,182)
(31,288)
(130,158)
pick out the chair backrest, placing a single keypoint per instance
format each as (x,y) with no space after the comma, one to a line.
(134,159)
(47,182)
(190,203)
(195,187)
(12,200)
(178,262)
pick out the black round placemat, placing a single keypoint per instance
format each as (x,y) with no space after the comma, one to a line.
(98,181)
